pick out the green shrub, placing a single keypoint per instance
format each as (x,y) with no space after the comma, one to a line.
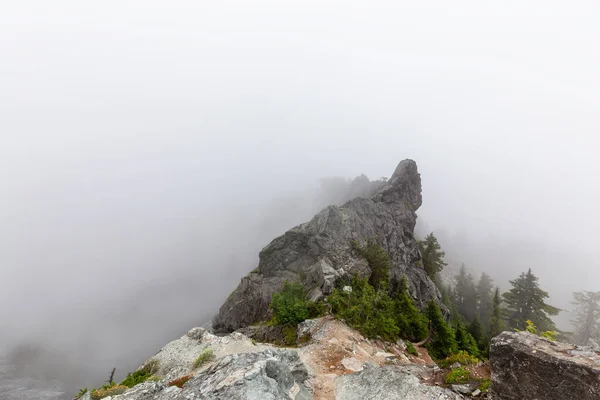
(290,305)
(443,341)
(378,260)
(549,335)
(461,357)
(411,349)
(370,312)
(458,375)
(485,385)
(410,321)
(136,377)
(206,355)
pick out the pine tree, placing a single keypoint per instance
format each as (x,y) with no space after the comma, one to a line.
(587,315)
(442,342)
(525,301)
(432,255)
(484,298)
(476,330)
(496,325)
(465,341)
(411,322)
(465,294)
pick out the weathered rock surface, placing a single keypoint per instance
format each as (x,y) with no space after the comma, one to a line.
(319,252)
(390,383)
(526,366)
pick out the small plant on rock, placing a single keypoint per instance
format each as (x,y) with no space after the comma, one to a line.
(458,375)
(205,356)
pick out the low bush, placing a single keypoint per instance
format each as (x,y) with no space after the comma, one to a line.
(289,305)
(135,378)
(485,385)
(205,356)
(458,375)
(461,357)
(107,390)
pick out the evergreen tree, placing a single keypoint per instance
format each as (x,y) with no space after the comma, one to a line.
(587,314)
(496,325)
(442,341)
(465,294)
(484,299)
(476,330)
(465,341)
(525,301)
(432,255)
(410,321)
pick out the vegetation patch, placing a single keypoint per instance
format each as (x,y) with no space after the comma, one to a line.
(411,349)
(485,385)
(108,390)
(289,305)
(204,357)
(179,382)
(461,357)
(136,378)
(458,375)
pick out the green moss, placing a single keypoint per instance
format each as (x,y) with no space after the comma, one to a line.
(205,356)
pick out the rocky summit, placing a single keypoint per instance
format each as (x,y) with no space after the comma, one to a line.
(526,366)
(319,252)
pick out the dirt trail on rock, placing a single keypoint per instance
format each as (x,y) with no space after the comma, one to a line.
(335,349)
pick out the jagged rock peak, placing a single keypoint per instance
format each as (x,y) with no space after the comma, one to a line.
(319,252)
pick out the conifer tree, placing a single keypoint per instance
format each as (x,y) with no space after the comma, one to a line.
(410,321)
(465,294)
(432,255)
(465,341)
(484,298)
(476,330)
(442,342)
(526,301)
(496,325)
(587,315)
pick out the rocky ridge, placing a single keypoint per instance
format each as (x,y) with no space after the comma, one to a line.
(319,252)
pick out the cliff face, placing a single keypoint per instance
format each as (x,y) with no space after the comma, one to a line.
(319,252)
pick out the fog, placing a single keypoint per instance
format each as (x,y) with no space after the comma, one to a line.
(148,151)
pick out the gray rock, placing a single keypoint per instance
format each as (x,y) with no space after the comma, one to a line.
(319,252)
(526,366)
(389,383)
(476,393)
(463,389)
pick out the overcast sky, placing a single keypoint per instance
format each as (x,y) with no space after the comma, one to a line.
(141,142)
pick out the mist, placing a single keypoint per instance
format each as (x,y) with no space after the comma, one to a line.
(148,152)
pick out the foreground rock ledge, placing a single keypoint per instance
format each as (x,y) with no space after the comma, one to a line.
(526,366)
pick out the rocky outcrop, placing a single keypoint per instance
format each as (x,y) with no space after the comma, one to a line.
(390,383)
(319,252)
(526,366)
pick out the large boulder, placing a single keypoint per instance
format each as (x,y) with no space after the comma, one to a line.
(390,383)
(319,252)
(526,366)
